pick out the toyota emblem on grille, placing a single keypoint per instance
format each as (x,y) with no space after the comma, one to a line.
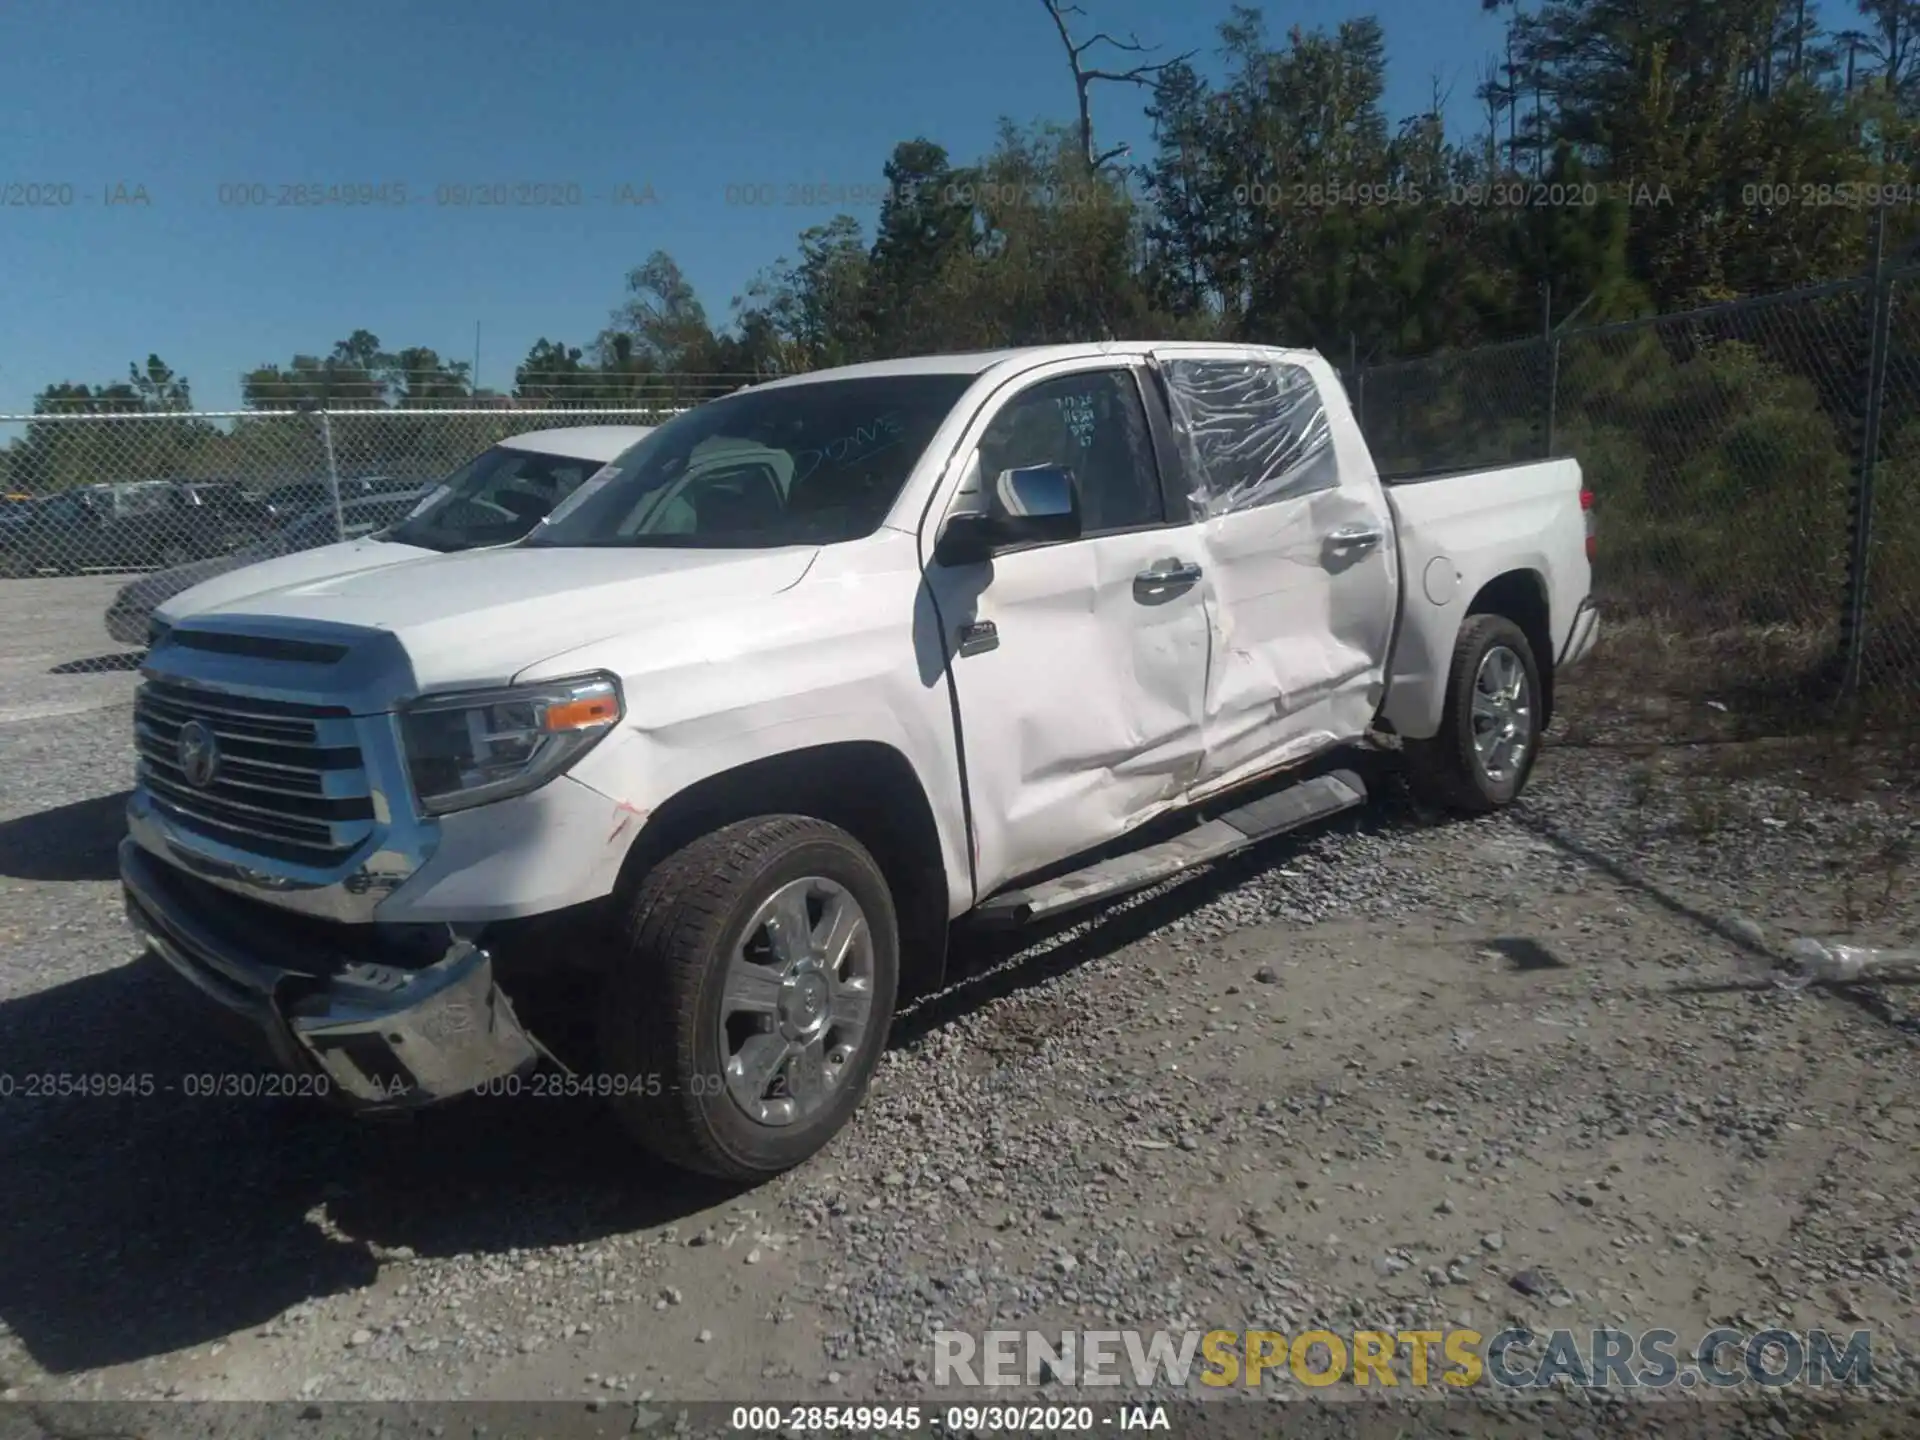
(199,754)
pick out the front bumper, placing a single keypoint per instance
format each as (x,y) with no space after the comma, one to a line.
(384,1035)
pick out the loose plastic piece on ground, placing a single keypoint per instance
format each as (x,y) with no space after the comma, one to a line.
(1826,962)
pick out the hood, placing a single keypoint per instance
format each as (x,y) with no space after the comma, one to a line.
(482,616)
(210,584)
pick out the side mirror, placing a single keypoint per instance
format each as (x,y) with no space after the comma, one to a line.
(966,539)
(1031,505)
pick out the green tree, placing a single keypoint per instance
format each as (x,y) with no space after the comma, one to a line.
(1195,224)
(355,374)
(58,453)
(554,371)
(662,322)
(926,222)
(811,312)
(419,377)
(1056,256)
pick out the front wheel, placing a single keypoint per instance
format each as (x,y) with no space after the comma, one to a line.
(752,1000)
(1490,729)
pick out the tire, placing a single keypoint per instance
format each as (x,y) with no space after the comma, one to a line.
(687,1040)
(1453,770)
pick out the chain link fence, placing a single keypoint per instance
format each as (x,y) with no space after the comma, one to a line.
(1757,468)
(123,492)
(1473,407)
(1886,507)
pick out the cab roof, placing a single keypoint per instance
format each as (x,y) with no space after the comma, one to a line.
(978,362)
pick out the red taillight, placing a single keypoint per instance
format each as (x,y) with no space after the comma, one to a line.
(1586,499)
(1586,506)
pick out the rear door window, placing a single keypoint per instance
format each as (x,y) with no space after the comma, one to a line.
(1253,432)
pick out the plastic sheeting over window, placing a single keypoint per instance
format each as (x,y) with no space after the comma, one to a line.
(1252,433)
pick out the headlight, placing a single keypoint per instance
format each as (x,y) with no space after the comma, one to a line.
(484,745)
(157,633)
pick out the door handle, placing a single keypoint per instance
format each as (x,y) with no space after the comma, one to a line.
(1171,571)
(979,636)
(1354,538)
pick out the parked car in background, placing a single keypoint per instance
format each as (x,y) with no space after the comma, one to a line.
(294,498)
(494,499)
(132,525)
(234,501)
(15,510)
(131,613)
(811,673)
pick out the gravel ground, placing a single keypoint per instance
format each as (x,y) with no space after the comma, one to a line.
(56,657)
(1398,1073)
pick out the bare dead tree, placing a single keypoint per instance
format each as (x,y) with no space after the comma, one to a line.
(1855,41)
(1492,95)
(1085,75)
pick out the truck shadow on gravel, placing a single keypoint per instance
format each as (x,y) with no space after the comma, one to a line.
(66,843)
(144,1222)
(987,966)
(140,1223)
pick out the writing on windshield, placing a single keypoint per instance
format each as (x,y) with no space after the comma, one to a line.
(868,440)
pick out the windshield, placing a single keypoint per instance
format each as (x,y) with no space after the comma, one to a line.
(805,464)
(493,499)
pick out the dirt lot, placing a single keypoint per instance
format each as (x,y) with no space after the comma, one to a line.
(1397,1074)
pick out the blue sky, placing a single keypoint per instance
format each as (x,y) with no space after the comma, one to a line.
(686,98)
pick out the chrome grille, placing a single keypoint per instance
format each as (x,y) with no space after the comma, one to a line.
(290,785)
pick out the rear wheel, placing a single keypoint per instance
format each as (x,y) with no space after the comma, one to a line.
(753,998)
(1490,729)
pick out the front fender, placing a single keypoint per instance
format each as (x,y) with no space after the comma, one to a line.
(852,653)
(639,771)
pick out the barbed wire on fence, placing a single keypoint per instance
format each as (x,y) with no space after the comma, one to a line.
(347,391)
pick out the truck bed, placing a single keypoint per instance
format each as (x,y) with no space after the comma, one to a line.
(1459,529)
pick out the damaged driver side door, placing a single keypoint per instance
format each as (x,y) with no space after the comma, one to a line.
(1078,665)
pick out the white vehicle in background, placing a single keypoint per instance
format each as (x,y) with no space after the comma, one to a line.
(494,499)
(811,673)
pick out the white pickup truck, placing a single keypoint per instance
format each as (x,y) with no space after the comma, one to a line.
(809,674)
